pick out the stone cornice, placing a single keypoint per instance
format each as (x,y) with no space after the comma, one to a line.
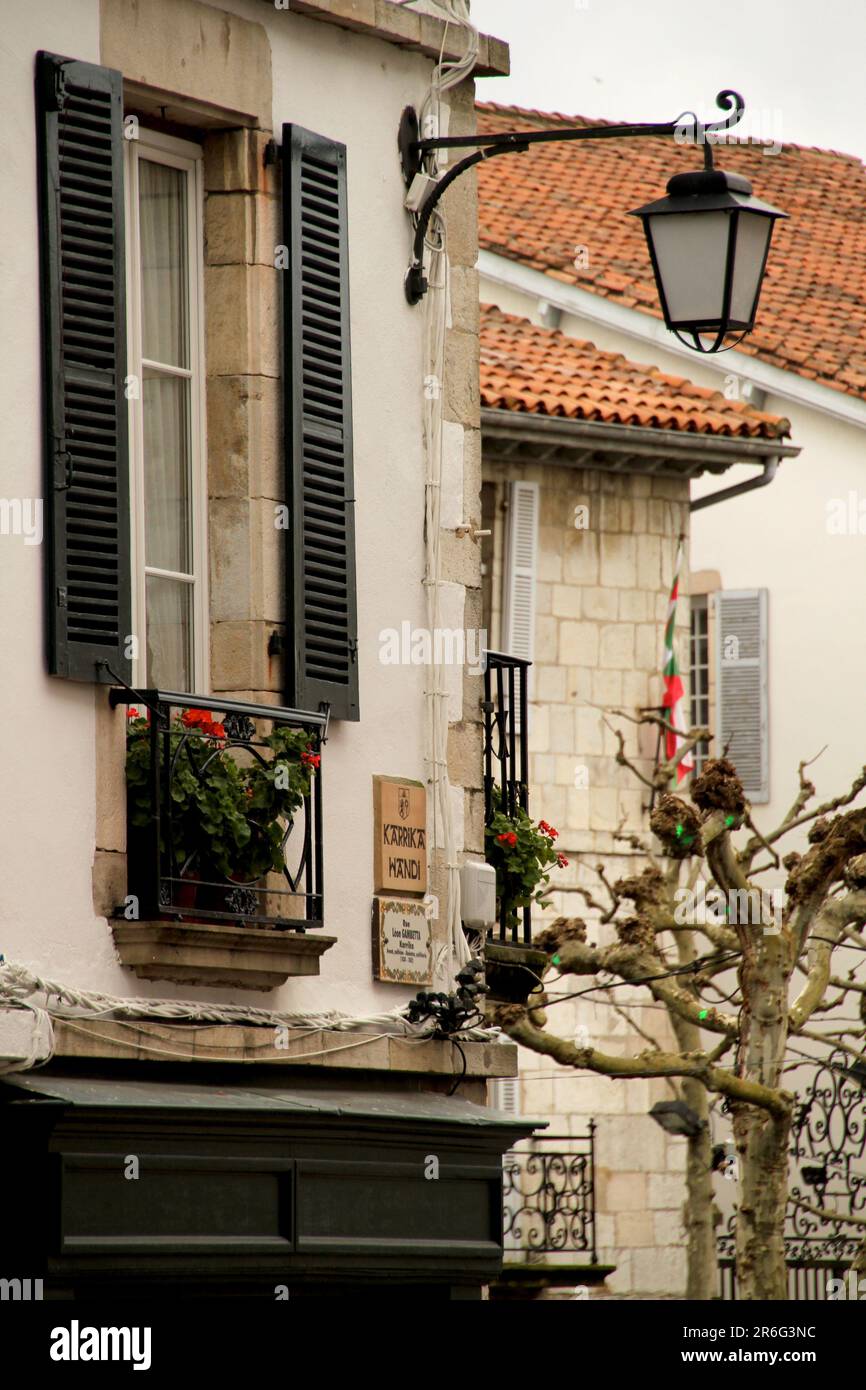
(244,1044)
(379,19)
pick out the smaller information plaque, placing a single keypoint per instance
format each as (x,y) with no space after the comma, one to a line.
(402,942)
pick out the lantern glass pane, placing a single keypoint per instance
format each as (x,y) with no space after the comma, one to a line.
(753,233)
(691,251)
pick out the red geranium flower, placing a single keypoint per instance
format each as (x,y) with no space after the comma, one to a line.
(507,837)
(203,720)
(133,714)
(310,759)
(562,861)
(548,830)
(192,718)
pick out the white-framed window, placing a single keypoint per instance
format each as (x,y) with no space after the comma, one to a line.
(164,204)
(699,672)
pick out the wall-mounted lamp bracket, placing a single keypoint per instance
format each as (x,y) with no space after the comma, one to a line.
(414,151)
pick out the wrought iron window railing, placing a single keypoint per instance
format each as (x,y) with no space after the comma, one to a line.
(506,757)
(165,881)
(548,1197)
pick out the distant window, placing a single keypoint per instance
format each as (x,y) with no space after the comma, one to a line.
(488,523)
(699,672)
(502,1094)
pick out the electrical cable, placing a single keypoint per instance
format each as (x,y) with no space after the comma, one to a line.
(462,1075)
(693,968)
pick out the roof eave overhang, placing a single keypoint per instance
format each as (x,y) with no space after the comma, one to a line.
(418,32)
(527,438)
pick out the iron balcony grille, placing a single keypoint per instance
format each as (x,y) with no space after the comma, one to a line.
(290,898)
(548,1197)
(809,1280)
(506,756)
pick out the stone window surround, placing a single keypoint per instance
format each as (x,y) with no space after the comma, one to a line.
(244,459)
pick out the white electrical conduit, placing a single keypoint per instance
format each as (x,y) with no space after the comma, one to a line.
(447,73)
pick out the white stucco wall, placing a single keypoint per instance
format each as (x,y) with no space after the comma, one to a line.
(353,90)
(47,750)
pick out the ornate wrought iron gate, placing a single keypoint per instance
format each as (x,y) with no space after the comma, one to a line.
(828,1158)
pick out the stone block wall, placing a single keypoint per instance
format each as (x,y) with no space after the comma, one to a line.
(601,602)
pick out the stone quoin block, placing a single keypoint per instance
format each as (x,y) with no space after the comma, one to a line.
(241,321)
(618,562)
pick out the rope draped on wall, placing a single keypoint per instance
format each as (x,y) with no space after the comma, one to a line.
(47,1000)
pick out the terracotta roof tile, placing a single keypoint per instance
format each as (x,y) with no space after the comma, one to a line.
(540,207)
(543,372)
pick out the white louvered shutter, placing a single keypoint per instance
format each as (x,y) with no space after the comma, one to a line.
(502,1094)
(520,565)
(741,697)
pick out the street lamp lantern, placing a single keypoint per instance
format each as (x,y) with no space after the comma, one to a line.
(676,1117)
(708,242)
(708,239)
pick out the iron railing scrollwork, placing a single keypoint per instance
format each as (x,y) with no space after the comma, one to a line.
(506,757)
(289,898)
(828,1159)
(548,1197)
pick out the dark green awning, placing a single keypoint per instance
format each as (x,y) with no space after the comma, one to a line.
(127,1093)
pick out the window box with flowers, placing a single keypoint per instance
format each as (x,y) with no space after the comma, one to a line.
(523,852)
(223,843)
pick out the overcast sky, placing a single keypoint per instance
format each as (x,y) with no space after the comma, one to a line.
(799,64)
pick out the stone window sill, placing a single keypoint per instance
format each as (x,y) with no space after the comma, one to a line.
(209,953)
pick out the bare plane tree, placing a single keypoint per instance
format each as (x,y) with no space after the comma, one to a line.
(730,1042)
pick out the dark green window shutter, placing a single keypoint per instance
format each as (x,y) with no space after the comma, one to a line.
(89,590)
(322,606)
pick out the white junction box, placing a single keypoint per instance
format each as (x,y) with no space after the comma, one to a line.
(478,895)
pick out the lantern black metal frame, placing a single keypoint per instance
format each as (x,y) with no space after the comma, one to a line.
(718,192)
(414,151)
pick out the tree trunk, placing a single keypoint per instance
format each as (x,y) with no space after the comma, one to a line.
(698,1209)
(763,1138)
(702,1277)
(762,1143)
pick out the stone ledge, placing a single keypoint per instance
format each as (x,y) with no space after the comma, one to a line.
(325,1047)
(379,19)
(529,1281)
(205,953)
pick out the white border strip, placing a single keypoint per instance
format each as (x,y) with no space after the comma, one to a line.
(646,329)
